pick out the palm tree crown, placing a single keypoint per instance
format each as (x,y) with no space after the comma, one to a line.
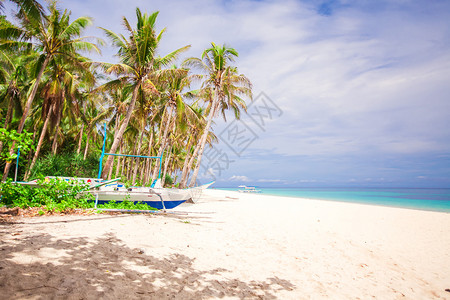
(222,88)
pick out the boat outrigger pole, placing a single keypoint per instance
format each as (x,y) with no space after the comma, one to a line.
(126,155)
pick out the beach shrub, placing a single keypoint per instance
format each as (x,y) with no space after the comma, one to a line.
(17,195)
(57,195)
(126,205)
(51,194)
(61,195)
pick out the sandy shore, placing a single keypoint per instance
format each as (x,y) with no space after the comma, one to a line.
(231,246)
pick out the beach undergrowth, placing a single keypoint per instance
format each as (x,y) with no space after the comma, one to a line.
(56,195)
(50,194)
(129,205)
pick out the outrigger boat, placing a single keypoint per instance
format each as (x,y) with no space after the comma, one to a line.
(156,197)
(110,190)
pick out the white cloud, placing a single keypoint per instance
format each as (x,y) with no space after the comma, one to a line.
(239,178)
(271,180)
(346,82)
(368,79)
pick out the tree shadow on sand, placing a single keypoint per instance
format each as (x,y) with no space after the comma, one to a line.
(107,268)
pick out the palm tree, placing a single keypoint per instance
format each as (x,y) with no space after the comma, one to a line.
(53,35)
(222,87)
(138,66)
(196,126)
(172,85)
(73,81)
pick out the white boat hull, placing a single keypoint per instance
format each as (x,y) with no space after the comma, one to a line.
(156,198)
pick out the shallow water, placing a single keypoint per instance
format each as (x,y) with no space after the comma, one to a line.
(414,198)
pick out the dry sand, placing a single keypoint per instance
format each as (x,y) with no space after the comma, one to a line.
(231,246)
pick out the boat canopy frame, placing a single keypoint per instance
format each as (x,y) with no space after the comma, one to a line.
(125,155)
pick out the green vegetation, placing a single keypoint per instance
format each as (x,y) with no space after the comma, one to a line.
(168,180)
(65,164)
(51,195)
(56,195)
(54,100)
(8,138)
(126,205)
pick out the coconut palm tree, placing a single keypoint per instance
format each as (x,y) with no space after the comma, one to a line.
(138,66)
(74,80)
(222,87)
(195,129)
(52,34)
(173,95)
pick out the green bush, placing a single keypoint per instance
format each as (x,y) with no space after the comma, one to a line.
(126,205)
(57,195)
(54,195)
(17,195)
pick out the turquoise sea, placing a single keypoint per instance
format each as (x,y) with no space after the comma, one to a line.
(414,198)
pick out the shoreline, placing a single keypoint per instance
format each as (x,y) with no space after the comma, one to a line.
(356,201)
(232,245)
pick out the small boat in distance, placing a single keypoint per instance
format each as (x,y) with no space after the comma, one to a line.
(248,189)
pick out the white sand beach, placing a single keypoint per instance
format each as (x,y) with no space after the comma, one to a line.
(231,246)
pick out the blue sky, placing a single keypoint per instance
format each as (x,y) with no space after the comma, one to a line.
(362,87)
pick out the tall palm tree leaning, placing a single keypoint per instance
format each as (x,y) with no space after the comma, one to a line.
(53,35)
(223,86)
(138,68)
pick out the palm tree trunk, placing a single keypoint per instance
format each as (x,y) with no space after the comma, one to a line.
(189,167)
(137,161)
(26,112)
(141,175)
(148,160)
(122,170)
(87,144)
(40,142)
(163,179)
(203,141)
(32,95)
(81,138)
(119,160)
(163,141)
(58,121)
(133,161)
(186,161)
(118,135)
(111,170)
